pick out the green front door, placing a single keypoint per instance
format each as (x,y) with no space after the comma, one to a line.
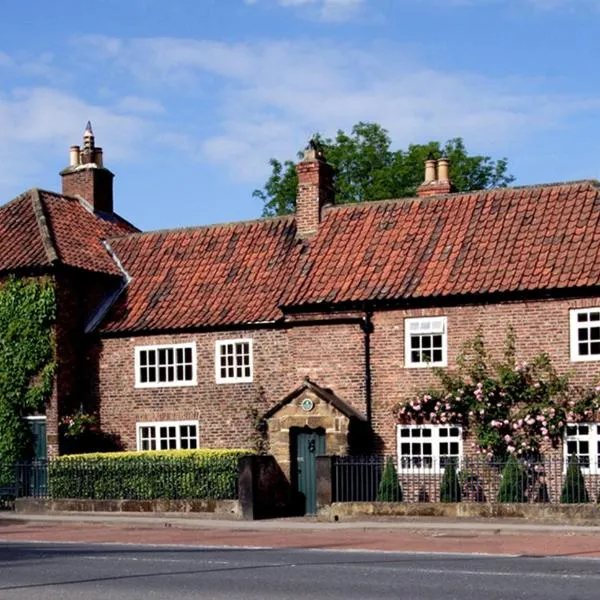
(307,444)
(34,480)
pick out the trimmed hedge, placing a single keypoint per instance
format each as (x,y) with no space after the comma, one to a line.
(172,475)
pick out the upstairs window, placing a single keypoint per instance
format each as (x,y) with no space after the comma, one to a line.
(233,362)
(167,435)
(425,342)
(165,366)
(585,334)
(583,441)
(428,448)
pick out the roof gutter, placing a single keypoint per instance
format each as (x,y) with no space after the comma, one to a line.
(109,301)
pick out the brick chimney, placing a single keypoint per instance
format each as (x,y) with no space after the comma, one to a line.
(86,175)
(437,178)
(315,189)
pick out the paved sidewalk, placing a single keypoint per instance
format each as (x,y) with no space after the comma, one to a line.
(400,535)
(203,521)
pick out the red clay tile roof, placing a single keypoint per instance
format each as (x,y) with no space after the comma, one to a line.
(220,275)
(544,237)
(40,228)
(506,240)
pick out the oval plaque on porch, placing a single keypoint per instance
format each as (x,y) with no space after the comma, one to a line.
(307,404)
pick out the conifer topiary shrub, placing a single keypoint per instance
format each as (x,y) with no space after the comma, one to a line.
(450,485)
(389,488)
(514,482)
(573,491)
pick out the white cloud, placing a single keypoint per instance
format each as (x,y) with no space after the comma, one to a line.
(269,97)
(327,10)
(41,121)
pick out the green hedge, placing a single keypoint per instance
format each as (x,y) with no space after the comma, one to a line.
(173,475)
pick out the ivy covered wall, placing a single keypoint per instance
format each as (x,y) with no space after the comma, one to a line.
(27,360)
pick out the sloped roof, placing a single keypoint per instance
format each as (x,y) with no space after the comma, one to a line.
(205,276)
(39,228)
(504,240)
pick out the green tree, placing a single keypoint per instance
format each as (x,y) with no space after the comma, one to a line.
(450,486)
(368,169)
(389,488)
(513,483)
(574,491)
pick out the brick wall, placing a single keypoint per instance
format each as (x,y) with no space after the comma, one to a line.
(540,326)
(331,355)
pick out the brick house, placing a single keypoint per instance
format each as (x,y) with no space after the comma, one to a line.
(319,322)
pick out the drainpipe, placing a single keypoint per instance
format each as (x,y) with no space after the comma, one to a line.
(367,327)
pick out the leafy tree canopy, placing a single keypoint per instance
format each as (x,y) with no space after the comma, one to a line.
(368,169)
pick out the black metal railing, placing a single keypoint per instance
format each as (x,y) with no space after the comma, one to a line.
(23,480)
(380,478)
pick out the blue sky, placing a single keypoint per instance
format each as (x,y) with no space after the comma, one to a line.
(189,99)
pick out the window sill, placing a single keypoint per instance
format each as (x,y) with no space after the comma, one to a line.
(153,386)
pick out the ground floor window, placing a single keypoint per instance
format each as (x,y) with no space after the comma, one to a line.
(167,435)
(428,447)
(583,441)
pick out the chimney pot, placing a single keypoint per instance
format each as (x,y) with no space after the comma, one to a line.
(430,170)
(74,156)
(86,175)
(443,165)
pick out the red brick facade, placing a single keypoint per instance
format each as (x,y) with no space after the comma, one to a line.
(332,354)
(283,357)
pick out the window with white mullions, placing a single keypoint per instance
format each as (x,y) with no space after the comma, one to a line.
(585,334)
(164,366)
(428,448)
(167,435)
(233,363)
(582,440)
(425,342)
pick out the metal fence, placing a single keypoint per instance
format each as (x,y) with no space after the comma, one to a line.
(23,480)
(380,478)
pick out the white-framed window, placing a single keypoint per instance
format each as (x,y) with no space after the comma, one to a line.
(167,365)
(167,435)
(583,440)
(428,448)
(233,361)
(585,334)
(425,342)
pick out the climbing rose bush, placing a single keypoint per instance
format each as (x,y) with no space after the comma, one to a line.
(512,408)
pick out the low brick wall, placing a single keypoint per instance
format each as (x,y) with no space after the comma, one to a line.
(571,514)
(219,508)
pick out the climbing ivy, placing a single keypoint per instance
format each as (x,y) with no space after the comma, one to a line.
(27,365)
(512,408)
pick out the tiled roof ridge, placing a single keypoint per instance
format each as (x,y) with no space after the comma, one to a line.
(438,197)
(245,223)
(82,201)
(40,217)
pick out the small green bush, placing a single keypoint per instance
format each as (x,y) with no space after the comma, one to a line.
(389,488)
(450,485)
(574,491)
(169,475)
(514,482)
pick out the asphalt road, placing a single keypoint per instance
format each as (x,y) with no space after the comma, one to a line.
(48,571)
